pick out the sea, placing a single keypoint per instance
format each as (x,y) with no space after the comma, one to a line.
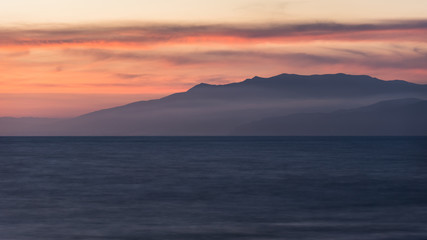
(213,188)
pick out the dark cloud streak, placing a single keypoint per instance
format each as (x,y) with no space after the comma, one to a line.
(410,60)
(158,33)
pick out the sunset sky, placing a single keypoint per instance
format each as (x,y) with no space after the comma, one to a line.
(69,57)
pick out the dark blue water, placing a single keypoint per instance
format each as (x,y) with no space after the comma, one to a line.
(138,188)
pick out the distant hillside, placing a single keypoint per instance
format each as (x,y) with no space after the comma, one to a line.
(25,126)
(387,118)
(218,109)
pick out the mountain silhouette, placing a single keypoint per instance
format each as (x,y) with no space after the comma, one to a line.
(394,117)
(207,109)
(300,86)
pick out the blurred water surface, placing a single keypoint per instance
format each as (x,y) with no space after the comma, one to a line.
(132,188)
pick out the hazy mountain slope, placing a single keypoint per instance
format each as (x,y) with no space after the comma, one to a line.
(394,117)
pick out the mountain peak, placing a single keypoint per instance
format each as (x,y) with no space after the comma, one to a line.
(201,86)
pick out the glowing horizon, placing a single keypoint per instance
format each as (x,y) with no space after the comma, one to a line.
(87,63)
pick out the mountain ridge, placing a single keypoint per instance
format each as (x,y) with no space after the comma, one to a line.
(207,109)
(278,78)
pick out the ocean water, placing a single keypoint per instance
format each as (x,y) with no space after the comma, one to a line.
(202,188)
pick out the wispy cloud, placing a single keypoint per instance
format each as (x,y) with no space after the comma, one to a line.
(128,76)
(410,59)
(148,34)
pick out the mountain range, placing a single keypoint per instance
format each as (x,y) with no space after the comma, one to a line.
(287,104)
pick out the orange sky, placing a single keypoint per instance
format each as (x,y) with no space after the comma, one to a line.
(68,69)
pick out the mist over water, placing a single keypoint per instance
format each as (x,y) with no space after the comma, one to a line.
(132,188)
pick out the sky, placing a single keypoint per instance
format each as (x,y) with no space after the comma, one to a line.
(66,58)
